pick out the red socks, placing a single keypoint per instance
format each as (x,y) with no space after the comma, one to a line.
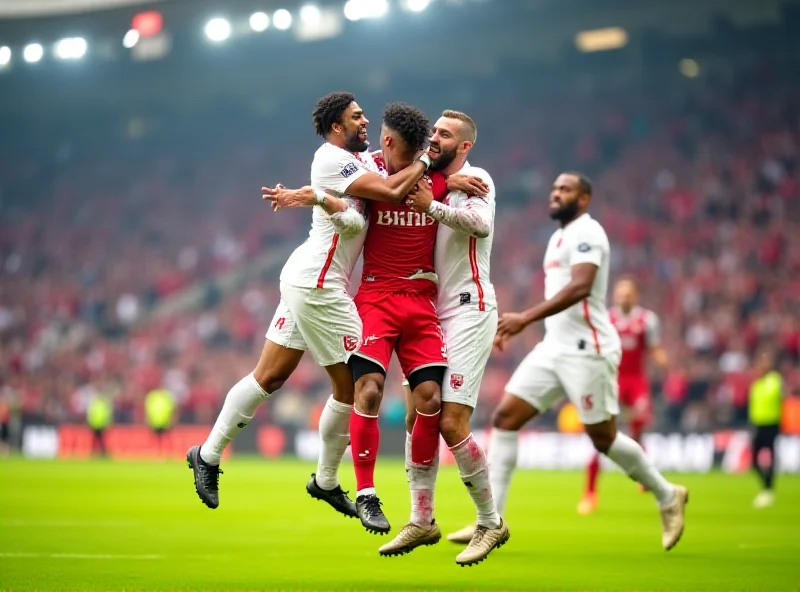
(365,438)
(591,473)
(425,439)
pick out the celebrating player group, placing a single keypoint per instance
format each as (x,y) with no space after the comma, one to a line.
(423,217)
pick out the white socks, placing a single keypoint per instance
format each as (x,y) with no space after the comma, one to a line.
(631,458)
(502,457)
(421,482)
(237,411)
(334,435)
(475,475)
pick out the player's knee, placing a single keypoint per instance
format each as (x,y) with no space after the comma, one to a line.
(428,398)
(454,430)
(503,419)
(270,379)
(369,392)
(602,442)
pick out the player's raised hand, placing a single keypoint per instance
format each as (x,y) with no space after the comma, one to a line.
(421,197)
(289,198)
(469,184)
(510,324)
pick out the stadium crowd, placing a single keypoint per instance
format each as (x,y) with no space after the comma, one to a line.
(698,189)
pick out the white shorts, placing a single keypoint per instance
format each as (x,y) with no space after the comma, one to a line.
(469,336)
(590,382)
(321,320)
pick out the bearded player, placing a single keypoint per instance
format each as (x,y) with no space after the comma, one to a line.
(468,312)
(638,330)
(316,312)
(578,357)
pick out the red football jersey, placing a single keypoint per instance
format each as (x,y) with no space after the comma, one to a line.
(638,332)
(398,249)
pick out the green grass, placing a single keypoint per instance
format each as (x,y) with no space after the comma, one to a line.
(139,526)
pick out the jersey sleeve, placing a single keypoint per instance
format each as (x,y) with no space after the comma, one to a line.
(589,246)
(652,329)
(336,171)
(475,215)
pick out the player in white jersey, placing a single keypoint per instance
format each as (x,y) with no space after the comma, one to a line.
(467,311)
(578,357)
(315,313)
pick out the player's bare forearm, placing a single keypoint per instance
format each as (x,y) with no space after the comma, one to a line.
(659,355)
(391,190)
(570,295)
(474,219)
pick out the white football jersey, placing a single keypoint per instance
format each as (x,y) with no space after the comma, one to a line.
(325,259)
(584,327)
(463,262)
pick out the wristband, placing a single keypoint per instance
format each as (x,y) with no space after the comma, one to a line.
(424,158)
(320,196)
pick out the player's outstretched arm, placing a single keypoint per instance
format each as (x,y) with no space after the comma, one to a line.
(474,217)
(579,288)
(346,214)
(392,189)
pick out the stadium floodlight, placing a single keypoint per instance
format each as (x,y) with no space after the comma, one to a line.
(689,68)
(5,56)
(131,39)
(33,52)
(601,39)
(259,21)
(71,48)
(355,10)
(218,29)
(417,5)
(282,19)
(310,14)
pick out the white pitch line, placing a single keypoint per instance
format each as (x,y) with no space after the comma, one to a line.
(76,556)
(68,523)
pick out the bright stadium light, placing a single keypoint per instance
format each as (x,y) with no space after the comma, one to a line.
(218,29)
(5,56)
(282,19)
(131,39)
(689,68)
(32,53)
(364,9)
(71,48)
(417,5)
(310,14)
(259,21)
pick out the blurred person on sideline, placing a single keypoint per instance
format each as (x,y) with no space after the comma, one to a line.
(159,407)
(766,399)
(99,416)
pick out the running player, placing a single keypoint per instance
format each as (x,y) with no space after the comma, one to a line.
(579,356)
(316,312)
(638,330)
(468,312)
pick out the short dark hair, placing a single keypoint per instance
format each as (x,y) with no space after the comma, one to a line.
(584,182)
(409,122)
(329,110)
(469,129)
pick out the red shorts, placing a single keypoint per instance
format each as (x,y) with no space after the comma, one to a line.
(406,323)
(634,394)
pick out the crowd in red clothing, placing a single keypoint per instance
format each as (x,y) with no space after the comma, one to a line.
(699,192)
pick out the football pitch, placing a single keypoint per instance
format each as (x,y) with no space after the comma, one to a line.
(117,525)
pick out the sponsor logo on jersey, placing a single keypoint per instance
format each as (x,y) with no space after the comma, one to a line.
(464,298)
(403,218)
(349,169)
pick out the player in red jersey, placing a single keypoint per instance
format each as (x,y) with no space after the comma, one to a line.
(638,330)
(396,303)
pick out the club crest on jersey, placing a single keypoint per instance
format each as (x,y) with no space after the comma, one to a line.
(587,402)
(584,247)
(349,169)
(456,381)
(350,343)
